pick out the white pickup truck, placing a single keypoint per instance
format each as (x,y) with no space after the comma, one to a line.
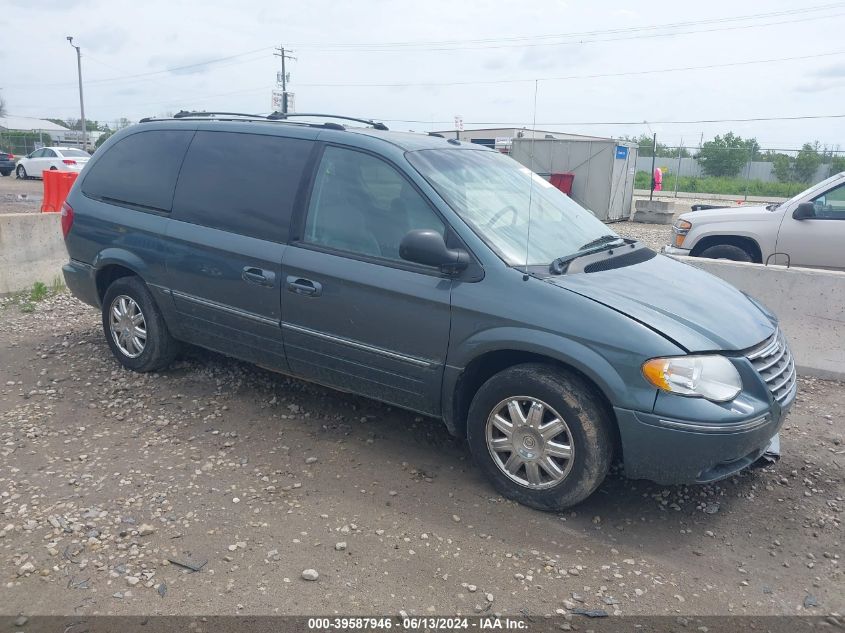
(807,230)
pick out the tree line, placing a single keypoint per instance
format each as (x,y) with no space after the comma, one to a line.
(726,155)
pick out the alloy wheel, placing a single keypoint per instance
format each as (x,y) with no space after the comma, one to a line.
(530,442)
(128,326)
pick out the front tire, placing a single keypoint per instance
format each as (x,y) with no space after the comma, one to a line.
(134,327)
(21,172)
(726,251)
(541,436)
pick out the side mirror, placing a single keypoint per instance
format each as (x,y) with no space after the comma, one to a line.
(804,210)
(423,246)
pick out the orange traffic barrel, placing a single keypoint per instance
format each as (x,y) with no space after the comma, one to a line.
(57,185)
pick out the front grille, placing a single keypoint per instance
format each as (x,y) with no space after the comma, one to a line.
(774,362)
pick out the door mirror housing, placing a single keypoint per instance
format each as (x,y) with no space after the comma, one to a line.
(804,210)
(427,247)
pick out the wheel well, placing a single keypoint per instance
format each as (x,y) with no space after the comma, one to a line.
(745,243)
(487,365)
(107,275)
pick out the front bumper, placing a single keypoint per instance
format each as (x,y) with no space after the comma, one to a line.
(672,451)
(671,250)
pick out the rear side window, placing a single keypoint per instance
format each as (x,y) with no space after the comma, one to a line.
(242,183)
(139,170)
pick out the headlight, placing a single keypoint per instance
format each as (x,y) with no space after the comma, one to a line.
(711,377)
(679,232)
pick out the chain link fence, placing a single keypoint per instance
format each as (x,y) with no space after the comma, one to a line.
(22,143)
(762,172)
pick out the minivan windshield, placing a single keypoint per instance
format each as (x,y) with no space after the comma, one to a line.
(493,193)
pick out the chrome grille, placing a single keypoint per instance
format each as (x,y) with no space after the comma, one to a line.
(774,362)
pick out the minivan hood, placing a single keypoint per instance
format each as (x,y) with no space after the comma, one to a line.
(693,308)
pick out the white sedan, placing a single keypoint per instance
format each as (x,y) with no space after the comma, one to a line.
(51,158)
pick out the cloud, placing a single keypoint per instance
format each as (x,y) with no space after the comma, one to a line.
(836,70)
(495,63)
(182,65)
(820,86)
(103,39)
(48,5)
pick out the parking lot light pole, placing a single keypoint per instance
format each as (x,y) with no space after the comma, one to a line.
(81,102)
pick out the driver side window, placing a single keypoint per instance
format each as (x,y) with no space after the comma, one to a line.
(831,204)
(362,205)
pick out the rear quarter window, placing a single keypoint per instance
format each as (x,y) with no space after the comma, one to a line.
(240,182)
(139,170)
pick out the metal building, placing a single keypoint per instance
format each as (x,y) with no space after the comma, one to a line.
(603,168)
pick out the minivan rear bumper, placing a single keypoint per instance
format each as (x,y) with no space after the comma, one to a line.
(80,280)
(685,451)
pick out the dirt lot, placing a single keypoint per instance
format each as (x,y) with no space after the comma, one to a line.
(20,196)
(106,477)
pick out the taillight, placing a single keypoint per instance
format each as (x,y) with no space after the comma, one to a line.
(67,218)
(68,161)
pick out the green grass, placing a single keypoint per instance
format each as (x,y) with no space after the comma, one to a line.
(26,300)
(724,186)
(38,291)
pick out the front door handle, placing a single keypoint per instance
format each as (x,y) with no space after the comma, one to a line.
(302,286)
(258,276)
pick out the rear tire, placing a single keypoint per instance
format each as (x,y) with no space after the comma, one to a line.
(546,394)
(134,327)
(726,251)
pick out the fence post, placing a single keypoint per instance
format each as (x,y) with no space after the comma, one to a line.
(653,158)
(678,170)
(748,173)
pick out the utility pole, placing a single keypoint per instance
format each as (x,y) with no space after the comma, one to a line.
(281,52)
(81,101)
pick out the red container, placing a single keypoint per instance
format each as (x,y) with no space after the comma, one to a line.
(57,185)
(563,182)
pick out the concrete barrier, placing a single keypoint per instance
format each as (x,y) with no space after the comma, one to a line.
(809,303)
(31,249)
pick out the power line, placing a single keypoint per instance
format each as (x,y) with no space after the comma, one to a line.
(568,77)
(650,122)
(171,69)
(578,37)
(753,16)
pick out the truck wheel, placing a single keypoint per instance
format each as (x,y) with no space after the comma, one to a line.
(726,251)
(540,435)
(134,327)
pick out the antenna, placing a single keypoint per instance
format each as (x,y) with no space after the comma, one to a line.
(531,180)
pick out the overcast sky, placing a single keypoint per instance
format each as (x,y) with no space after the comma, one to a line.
(341,46)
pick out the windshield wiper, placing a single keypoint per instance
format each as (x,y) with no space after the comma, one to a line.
(605,242)
(604,239)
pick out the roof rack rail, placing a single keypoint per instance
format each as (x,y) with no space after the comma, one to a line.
(184,114)
(275,116)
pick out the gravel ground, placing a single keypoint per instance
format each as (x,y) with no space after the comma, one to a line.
(654,236)
(20,196)
(111,482)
